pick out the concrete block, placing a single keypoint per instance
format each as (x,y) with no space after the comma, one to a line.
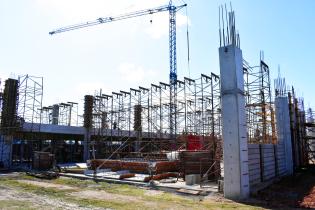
(221,186)
(192,179)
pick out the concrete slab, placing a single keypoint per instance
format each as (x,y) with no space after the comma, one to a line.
(138,180)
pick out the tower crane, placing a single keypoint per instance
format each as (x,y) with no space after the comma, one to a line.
(172,47)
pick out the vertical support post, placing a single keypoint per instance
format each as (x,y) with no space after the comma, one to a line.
(55,114)
(87,124)
(6,150)
(236,178)
(86,145)
(284,131)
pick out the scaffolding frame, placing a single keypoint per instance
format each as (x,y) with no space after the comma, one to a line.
(198,113)
(261,126)
(30,92)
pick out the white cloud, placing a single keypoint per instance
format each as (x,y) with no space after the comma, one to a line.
(131,73)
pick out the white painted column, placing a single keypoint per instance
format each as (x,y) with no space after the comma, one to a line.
(283,130)
(235,150)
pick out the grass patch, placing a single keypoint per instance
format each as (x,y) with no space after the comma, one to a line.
(121,189)
(108,204)
(124,189)
(33,188)
(13,204)
(73,182)
(216,205)
(63,195)
(164,200)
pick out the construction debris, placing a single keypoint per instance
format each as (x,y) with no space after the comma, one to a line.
(43,174)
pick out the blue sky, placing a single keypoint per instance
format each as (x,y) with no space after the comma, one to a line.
(131,53)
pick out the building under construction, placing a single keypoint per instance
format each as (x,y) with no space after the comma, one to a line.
(231,125)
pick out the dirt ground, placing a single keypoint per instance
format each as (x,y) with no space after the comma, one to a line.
(296,191)
(11,198)
(18,191)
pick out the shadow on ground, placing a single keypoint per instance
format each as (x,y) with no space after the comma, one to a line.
(292,192)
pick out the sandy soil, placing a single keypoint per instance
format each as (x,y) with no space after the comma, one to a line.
(46,184)
(38,201)
(297,191)
(103,195)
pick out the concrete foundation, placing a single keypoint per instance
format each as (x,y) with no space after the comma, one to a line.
(235,152)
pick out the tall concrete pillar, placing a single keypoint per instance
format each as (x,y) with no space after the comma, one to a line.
(235,149)
(87,124)
(283,130)
(86,145)
(55,114)
(6,150)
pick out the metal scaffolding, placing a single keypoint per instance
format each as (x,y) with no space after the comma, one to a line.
(259,105)
(30,98)
(145,113)
(60,114)
(310,135)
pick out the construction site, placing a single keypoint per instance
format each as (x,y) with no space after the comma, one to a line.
(233,133)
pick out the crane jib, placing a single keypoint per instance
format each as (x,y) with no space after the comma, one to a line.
(172,49)
(118,17)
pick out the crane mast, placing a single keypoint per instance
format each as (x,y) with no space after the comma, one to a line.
(173,73)
(172,48)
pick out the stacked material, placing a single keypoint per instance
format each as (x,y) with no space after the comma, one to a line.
(145,167)
(43,160)
(197,162)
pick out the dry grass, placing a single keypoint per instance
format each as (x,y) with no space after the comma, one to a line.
(89,194)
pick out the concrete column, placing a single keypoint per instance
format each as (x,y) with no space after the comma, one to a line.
(283,130)
(6,150)
(235,150)
(86,145)
(55,114)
